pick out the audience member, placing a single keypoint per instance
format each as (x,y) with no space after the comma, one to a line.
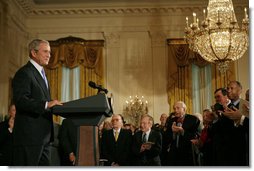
(162,129)
(107,125)
(247,95)
(180,131)
(67,142)
(204,142)
(116,143)
(229,135)
(147,144)
(6,128)
(130,127)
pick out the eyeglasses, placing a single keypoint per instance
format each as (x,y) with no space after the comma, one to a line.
(115,120)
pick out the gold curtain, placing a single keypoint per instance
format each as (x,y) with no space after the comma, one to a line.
(180,73)
(221,80)
(74,52)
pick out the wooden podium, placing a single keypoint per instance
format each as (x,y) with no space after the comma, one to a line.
(87,114)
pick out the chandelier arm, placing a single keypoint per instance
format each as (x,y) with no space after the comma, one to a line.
(229,47)
(209,33)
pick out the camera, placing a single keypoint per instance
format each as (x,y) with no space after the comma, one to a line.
(218,107)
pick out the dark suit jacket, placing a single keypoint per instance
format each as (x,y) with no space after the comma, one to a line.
(183,154)
(33,123)
(5,144)
(67,141)
(116,151)
(152,156)
(230,143)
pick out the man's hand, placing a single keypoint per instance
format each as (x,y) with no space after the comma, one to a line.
(177,129)
(233,114)
(114,164)
(54,103)
(72,158)
(145,147)
(11,124)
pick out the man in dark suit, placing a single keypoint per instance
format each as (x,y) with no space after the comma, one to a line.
(230,133)
(68,142)
(116,143)
(33,129)
(147,144)
(180,130)
(6,140)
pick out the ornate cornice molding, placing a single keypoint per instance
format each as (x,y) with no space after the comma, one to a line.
(33,10)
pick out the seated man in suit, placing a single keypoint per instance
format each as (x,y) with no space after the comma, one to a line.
(180,130)
(147,144)
(116,143)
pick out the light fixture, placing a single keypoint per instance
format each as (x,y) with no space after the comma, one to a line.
(219,39)
(134,108)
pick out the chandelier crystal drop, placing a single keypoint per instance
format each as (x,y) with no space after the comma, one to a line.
(219,39)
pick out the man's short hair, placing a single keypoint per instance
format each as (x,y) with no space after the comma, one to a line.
(34,45)
(149,117)
(237,83)
(223,91)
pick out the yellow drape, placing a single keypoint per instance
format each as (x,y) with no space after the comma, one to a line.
(72,52)
(180,58)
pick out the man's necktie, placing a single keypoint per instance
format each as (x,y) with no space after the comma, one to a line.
(44,77)
(179,123)
(144,138)
(116,135)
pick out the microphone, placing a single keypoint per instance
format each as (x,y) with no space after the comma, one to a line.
(179,124)
(99,87)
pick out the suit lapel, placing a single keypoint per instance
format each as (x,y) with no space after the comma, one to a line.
(40,80)
(150,135)
(112,136)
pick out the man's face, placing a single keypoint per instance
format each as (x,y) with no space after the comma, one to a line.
(117,122)
(234,91)
(179,109)
(12,111)
(220,98)
(42,55)
(145,124)
(163,118)
(208,117)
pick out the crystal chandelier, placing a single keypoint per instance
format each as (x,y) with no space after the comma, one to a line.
(134,108)
(219,39)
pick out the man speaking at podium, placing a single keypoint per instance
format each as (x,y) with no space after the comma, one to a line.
(33,129)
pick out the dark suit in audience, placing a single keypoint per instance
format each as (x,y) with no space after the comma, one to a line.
(67,142)
(180,130)
(6,137)
(147,154)
(181,153)
(116,151)
(5,144)
(148,157)
(230,133)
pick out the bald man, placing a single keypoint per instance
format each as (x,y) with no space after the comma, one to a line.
(180,130)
